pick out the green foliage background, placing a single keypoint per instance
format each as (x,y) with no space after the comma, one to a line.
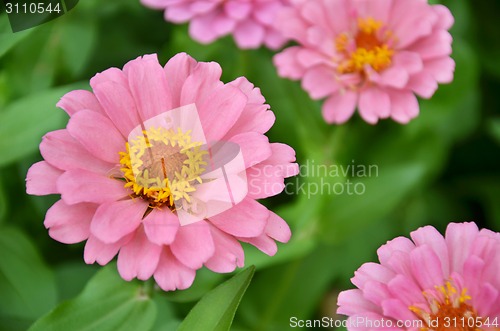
(443,167)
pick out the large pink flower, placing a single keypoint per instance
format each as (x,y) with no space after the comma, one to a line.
(367,54)
(430,283)
(250,21)
(162,166)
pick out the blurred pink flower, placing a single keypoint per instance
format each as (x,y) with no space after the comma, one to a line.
(430,283)
(250,21)
(373,55)
(126,196)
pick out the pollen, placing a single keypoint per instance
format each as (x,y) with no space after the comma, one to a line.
(163,166)
(448,309)
(370,46)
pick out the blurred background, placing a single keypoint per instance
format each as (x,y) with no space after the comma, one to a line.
(442,167)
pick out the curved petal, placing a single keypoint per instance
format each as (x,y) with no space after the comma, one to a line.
(113,221)
(228,253)
(41,179)
(69,224)
(171,274)
(193,244)
(97,134)
(139,257)
(161,226)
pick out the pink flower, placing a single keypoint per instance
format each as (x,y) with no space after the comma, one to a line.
(142,176)
(373,55)
(430,283)
(250,21)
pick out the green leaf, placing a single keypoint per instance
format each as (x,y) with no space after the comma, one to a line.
(215,311)
(494,129)
(8,39)
(27,286)
(107,303)
(3,203)
(25,121)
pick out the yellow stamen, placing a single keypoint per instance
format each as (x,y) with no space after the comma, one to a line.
(162,166)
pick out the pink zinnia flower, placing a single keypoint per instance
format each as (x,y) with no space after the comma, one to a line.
(143,175)
(369,54)
(430,283)
(250,21)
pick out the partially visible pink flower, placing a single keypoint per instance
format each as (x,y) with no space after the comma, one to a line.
(373,55)
(129,172)
(249,21)
(429,283)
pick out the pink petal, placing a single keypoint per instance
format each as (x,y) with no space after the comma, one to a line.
(319,82)
(410,61)
(379,10)
(376,292)
(404,106)
(84,186)
(246,219)
(69,224)
(436,45)
(484,301)
(446,19)
(277,228)
(263,242)
(204,78)
(352,302)
(102,253)
(139,258)
(423,84)
(62,151)
(395,309)
(399,244)
(254,147)
(202,29)
(177,71)
(256,116)
(371,271)
(148,85)
(428,235)
(220,111)
(374,103)
(118,104)
(459,239)
(179,13)
(113,221)
(287,63)
(249,34)
(41,179)
(406,290)
(427,268)
(77,100)
(161,226)
(228,253)
(340,107)
(171,274)
(97,134)
(193,244)
(442,69)
(237,10)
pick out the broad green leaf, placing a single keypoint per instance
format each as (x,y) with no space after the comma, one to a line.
(25,121)
(78,38)
(107,303)
(215,311)
(27,286)
(8,39)
(72,277)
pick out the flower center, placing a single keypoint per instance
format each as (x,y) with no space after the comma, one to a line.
(449,310)
(162,166)
(371,46)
